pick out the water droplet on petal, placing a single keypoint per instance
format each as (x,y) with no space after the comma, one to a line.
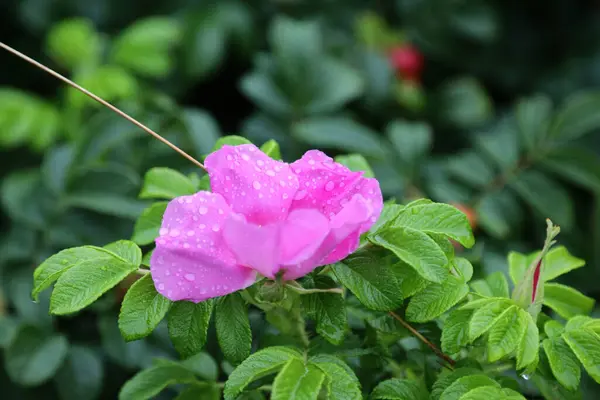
(174,232)
(161,287)
(190,277)
(285,196)
(229,158)
(221,211)
(311,162)
(163,231)
(329,186)
(245,156)
(260,163)
(203,210)
(216,228)
(270,172)
(300,195)
(256,185)
(191,233)
(202,226)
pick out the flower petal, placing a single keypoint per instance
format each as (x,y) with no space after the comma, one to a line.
(302,234)
(328,186)
(252,183)
(341,240)
(254,246)
(191,260)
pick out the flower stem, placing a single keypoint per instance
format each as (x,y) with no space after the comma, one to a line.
(300,290)
(423,339)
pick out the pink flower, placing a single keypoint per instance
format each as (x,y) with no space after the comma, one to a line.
(263,216)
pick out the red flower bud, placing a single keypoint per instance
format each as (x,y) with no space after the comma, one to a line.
(407,61)
(536,279)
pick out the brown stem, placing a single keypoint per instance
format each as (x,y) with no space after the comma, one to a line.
(423,339)
(101,101)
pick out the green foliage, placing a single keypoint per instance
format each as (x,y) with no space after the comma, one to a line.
(301,76)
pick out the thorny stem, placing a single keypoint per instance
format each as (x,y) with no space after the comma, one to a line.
(423,339)
(103,102)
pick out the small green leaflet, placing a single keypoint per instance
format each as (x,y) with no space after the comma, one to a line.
(563,363)
(498,284)
(340,381)
(492,393)
(356,163)
(166,183)
(528,347)
(455,334)
(86,281)
(370,279)
(142,309)
(505,335)
(149,382)
(271,149)
(233,328)
(485,317)
(446,380)
(436,299)
(231,140)
(566,301)
(586,345)
(416,249)
(465,384)
(400,389)
(148,224)
(188,325)
(259,364)
(297,381)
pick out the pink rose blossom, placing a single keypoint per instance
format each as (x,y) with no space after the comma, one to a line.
(262,216)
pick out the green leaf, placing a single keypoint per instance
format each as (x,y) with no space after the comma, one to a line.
(109,204)
(411,140)
(553,329)
(528,347)
(51,269)
(230,140)
(340,381)
(339,133)
(271,149)
(500,143)
(577,117)
(144,46)
(81,375)
(356,163)
(149,382)
(409,280)
(499,212)
(127,250)
(9,326)
(142,309)
(446,380)
(335,84)
(203,365)
(258,365)
(74,43)
(371,281)
(464,385)
(188,326)
(437,218)
(204,43)
(464,103)
(481,287)
(578,322)
(518,264)
(533,118)
(566,301)
(463,267)
(506,334)
(586,346)
(486,316)
(202,129)
(416,249)
(233,328)
(200,391)
(399,389)
(329,312)
(471,168)
(563,363)
(559,261)
(264,92)
(148,224)
(87,280)
(545,196)
(455,334)
(297,381)
(491,393)
(498,284)
(579,165)
(165,183)
(436,299)
(110,82)
(34,356)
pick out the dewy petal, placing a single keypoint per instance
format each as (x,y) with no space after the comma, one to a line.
(328,186)
(252,183)
(342,238)
(301,236)
(253,245)
(191,260)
